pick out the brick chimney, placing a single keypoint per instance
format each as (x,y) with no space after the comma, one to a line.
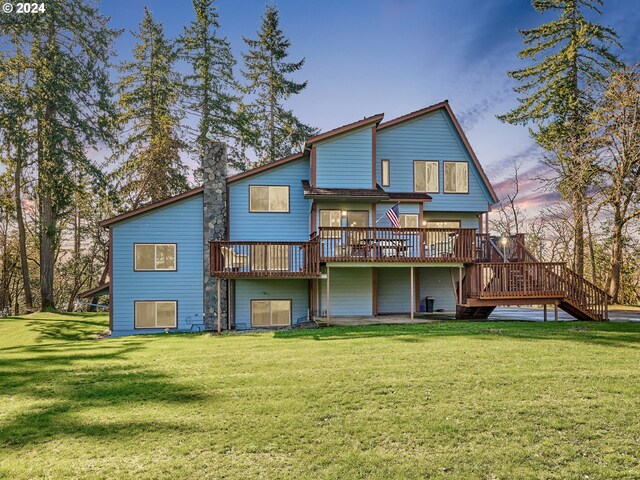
(214,173)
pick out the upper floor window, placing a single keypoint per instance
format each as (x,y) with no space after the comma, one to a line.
(456,177)
(425,176)
(268,198)
(386,173)
(154,256)
(443,223)
(331,218)
(408,220)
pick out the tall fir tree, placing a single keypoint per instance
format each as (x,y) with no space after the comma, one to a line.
(211,90)
(568,57)
(274,131)
(16,142)
(69,96)
(149,112)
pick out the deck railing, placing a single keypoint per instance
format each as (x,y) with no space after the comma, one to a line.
(233,259)
(373,244)
(522,280)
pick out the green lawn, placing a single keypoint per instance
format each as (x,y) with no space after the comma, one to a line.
(445,400)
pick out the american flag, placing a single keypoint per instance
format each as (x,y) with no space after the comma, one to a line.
(393,215)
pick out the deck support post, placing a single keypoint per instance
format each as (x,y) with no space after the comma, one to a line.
(413,295)
(544,308)
(374,291)
(328,295)
(460,285)
(219,310)
(555,312)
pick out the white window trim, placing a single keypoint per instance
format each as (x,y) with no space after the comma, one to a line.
(155,304)
(155,258)
(269,187)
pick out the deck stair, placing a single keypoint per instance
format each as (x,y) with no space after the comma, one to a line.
(511,275)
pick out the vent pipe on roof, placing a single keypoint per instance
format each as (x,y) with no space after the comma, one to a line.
(214,172)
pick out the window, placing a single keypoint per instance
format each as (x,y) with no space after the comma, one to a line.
(268,199)
(270,313)
(456,177)
(155,314)
(270,257)
(357,218)
(408,220)
(386,173)
(425,177)
(154,256)
(443,223)
(331,218)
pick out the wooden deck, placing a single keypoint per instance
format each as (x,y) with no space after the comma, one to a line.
(236,259)
(494,275)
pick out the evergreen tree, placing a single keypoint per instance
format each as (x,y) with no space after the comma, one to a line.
(211,89)
(16,142)
(569,56)
(69,98)
(275,131)
(149,92)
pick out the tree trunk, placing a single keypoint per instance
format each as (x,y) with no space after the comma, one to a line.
(578,233)
(615,264)
(47,238)
(592,255)
(4,281)
(22,235)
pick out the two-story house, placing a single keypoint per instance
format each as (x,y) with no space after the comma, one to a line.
(372,218)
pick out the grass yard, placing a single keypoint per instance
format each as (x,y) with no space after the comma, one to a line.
(445,400)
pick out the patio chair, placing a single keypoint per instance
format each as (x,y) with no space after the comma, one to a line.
(232,260)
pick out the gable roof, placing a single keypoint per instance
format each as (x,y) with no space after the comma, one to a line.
(454,120)
(262,168)
(345,128)
(151,206)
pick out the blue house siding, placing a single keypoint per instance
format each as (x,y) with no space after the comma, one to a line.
(292,226)
(467,219)
(351,291)
(179,223)
(431,137)
(394,290)
(296,290)
(382,208)
(345,161)
(436,282)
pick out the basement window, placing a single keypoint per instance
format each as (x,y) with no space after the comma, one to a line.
(270,313)
(156,314)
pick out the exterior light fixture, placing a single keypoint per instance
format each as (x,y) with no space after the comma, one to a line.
(344,213)
(503,241)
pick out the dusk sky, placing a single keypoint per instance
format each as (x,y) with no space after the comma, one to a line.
(395,56)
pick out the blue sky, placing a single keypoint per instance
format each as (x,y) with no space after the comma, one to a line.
(395,56)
